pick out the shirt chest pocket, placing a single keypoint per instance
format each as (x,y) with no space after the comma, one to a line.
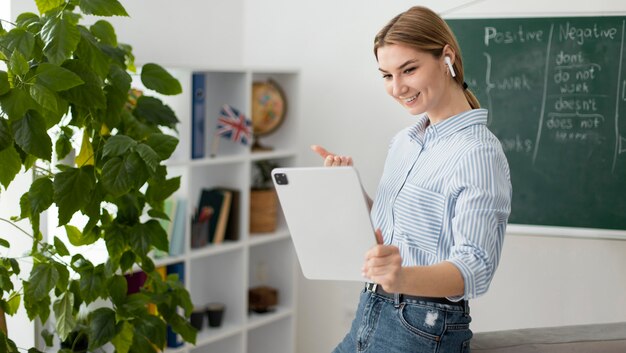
(418,217)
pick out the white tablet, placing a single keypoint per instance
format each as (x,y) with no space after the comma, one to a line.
(328,218)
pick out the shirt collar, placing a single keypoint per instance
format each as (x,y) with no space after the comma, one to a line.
(448,126)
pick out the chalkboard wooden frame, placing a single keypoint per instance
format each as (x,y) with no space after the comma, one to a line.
(518,60)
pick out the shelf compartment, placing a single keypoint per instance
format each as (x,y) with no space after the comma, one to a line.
(217,278)
(272,264)
(260,338)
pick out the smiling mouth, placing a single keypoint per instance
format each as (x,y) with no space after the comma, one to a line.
(411,99)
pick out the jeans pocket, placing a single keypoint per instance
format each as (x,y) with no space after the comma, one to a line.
(419,217)
(424,322)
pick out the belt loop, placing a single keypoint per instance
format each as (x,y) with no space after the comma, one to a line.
(466,308)
(396,300)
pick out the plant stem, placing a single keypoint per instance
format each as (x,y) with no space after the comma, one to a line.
(16,226)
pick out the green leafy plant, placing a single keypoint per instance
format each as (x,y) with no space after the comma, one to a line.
(69,84)
(262,174)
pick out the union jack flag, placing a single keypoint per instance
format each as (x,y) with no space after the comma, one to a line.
(233,125)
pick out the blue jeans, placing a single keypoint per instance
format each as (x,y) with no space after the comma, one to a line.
(383,325)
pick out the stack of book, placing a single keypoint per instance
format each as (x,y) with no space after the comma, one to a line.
(216,218)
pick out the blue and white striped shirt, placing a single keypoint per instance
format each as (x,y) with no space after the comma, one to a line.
(445,195)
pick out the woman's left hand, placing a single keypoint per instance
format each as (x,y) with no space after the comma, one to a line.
(383,265)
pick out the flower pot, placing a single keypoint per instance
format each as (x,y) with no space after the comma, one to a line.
(263,204)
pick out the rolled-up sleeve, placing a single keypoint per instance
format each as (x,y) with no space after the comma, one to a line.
(483,204)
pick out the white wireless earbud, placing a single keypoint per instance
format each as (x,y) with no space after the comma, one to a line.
(447,60)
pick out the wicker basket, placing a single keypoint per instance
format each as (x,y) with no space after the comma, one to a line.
(263,204)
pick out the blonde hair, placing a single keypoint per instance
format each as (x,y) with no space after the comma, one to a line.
(424,30)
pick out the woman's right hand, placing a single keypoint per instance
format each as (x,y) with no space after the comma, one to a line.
(331,159)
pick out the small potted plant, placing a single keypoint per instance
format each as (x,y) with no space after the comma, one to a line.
(263,201)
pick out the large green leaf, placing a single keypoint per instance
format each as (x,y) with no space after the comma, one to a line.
(141,239)
(36,307)
(161,190)
(90,94)
(46,5)
(164,145)
(158,235)
(92,283)
(116,177)
(124,339)
(88,51)
(152,110)
(120,174)
(31,135)
(11,165)
(120,79)
(4,83)
(56,77)
(104,31)
(60,36)
(62,269)
(65,321)
(115,239)
(116,100)
(72,189)
(149,334)
(148,155)
(40,195)
(73,235)
(102,8)
(118,145)
(13,304)
(16,103)
(155,77)
(45,97)
(18,63)
(18,39)
(43,278)
(118,288)
(102,325)
(182,326)
(6,139)
(60,246)
(63,146)
(30,21)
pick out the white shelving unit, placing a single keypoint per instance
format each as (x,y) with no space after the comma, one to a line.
(224,273)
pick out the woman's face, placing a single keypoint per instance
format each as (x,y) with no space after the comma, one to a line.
(414,78)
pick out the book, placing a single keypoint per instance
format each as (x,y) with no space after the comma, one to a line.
(173,339)
(232,226)
(177,239)
(218,201)
(198,116)
(169,208)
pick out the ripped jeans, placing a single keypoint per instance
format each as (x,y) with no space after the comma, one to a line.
(383,325)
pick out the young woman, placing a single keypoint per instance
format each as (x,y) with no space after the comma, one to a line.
(442,204)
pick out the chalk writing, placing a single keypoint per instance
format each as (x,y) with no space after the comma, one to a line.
(494,36)
(579,35)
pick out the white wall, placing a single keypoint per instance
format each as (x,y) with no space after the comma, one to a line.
(542,281)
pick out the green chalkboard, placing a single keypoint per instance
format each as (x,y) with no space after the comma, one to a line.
(556,92)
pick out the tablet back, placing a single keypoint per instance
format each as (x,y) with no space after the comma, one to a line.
(328,218)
